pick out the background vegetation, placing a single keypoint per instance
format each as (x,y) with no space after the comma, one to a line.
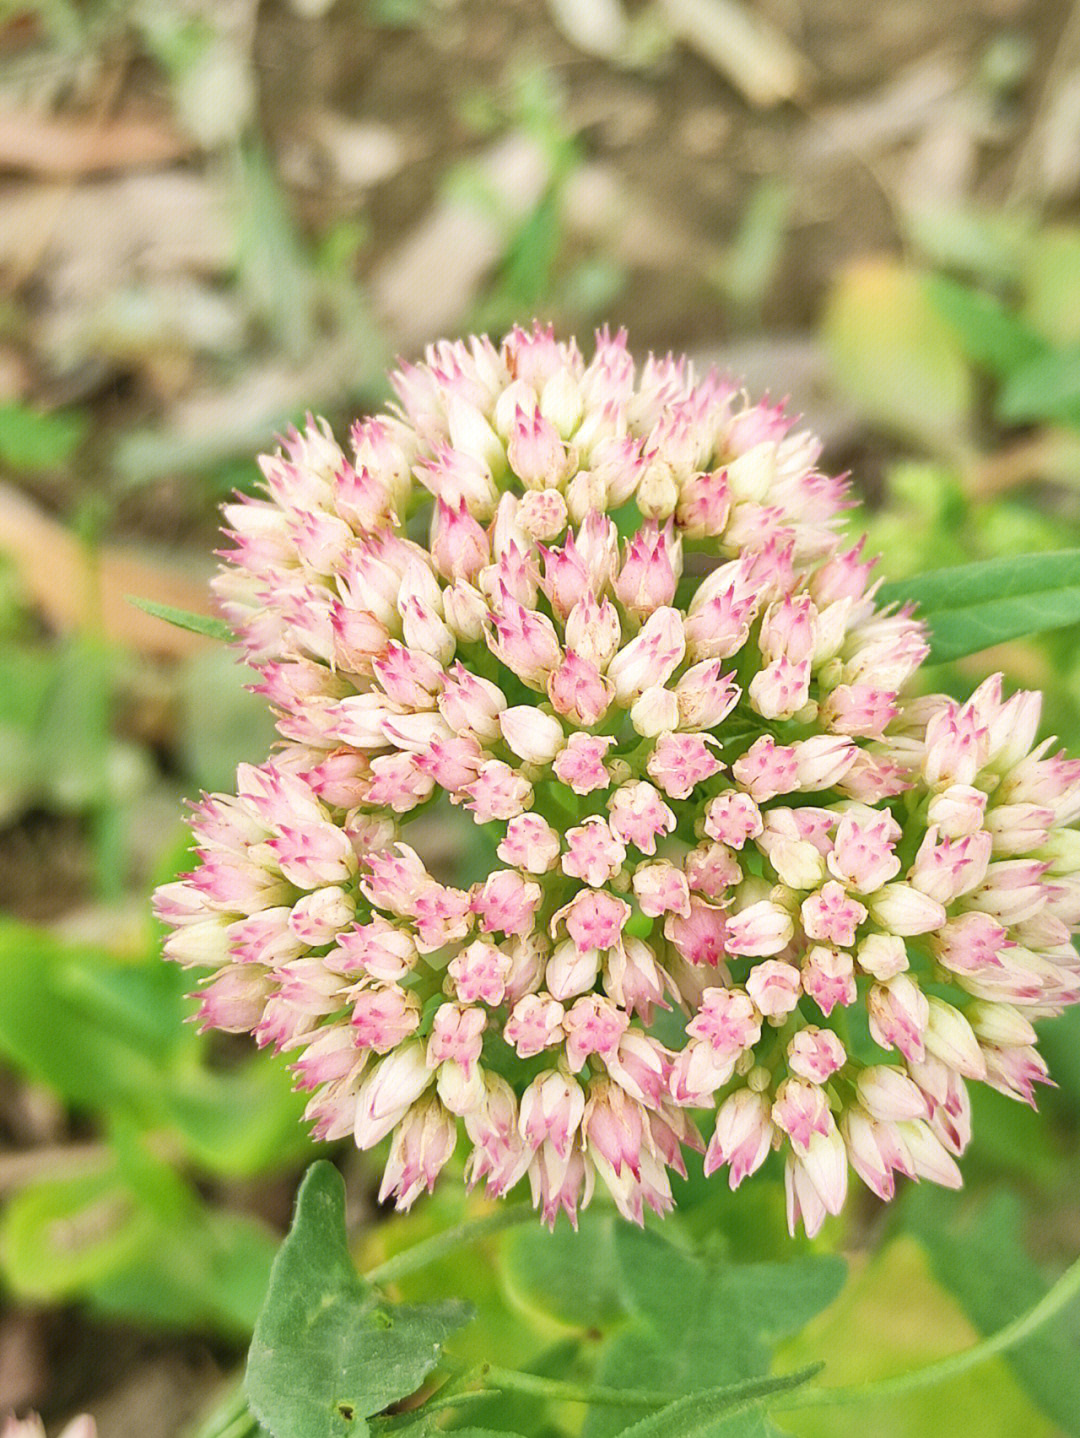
(215,214)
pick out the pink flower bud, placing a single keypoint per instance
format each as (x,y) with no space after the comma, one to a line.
(593,920)
(459,545)
(593,631)
(906,911)
(823,761)
(767,769)
(532,735)
(649,659)
(552,1107)
(638,815)
(774,987)
(661,888)
(593,1026)
(388,1091)
(530,843)
(711,869)
(956,745)
(593,853)
(703,505)
(525,641)
(957,810)
(655,711)
(890,1095)
(535,452)
(882,955)
(580,765)
(679,762)
(422,1146)
(506,903)
(571,970)
(781,689)
(384,1017)
(650,570)
(727,1022)
(534,1024)
(899,1014)
(633,978)
(862,855)
(579,691)
(479,973)
(498,792)
(828,977)
(743,1136)
(456,1036)
(789,628)
(832,915)
(700,937)
(542,514)
(801,1110)
(732,818)
(948,1036)
(705,697)
(815,1054)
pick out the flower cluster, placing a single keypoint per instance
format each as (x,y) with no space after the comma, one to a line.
(606,613)
(32,1427)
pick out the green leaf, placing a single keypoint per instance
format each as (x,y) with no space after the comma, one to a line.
(987,244)
(714,1410)
(1051,284)
(1046,388)
(108,1035)
(222,722)
(34,441)
(60,1236)
(328,1351)
(98,1030)
(980,1259)
(138,1244)
(701,1322)
(894,1318)
(183,618)
(990,335)
(971,606)
(566,1276)
(894,354)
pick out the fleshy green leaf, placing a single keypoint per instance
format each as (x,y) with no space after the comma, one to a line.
(895,355)
(140,1245)
(982,1262)
(565,1275)
(717,1410)
(971,606)
(328,1351)
(894,1318)
(36,441)
(183,618)
(1047,388)
(108,1035)
(990,335)
(701,1322)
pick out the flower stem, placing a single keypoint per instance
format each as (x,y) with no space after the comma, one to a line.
(1049,1306)
(440,1244)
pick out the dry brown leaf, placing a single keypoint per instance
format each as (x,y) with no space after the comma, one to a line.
(60,146)
(76,590)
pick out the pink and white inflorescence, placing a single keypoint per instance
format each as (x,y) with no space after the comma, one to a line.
(607,614)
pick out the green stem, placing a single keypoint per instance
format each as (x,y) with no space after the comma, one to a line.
(438,1246)
(230,1417)
(1060,1295)
(509,1380)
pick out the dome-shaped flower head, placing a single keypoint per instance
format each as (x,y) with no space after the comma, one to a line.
(604,611)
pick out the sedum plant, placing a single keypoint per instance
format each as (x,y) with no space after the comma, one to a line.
(743,868)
